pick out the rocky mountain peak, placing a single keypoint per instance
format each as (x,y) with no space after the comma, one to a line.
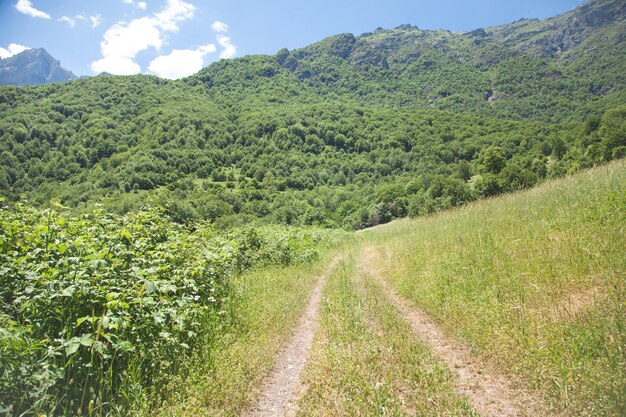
(33,66)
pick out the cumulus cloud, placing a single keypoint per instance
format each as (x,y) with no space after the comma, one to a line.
(176,11)
(123,41)
(228,49)
(95,20)
(117,65)
(66,19)
(180,62)
(26,7)
(218,26)
(13,49)
(129,40)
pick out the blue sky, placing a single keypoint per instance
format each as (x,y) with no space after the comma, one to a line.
(175,38)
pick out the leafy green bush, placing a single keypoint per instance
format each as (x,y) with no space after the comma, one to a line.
(95,309)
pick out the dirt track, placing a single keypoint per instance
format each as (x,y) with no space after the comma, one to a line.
(490,394)
(283,387)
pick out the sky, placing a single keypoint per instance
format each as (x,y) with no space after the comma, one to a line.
(177,38)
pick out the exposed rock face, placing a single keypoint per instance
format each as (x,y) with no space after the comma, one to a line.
(33,66)
(492,96)
(341,45)
(366,55)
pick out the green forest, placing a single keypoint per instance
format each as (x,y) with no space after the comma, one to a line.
(349,132)
(129,203)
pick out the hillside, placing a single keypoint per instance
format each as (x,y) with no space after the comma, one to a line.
(522,314)
(551,70)
(531,283)
(348,132)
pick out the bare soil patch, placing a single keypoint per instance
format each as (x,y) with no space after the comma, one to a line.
(572,305)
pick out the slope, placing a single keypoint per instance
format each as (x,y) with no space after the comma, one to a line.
(532,282)
(33,66)
(349,132)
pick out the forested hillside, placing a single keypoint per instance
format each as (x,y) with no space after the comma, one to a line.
(349,132)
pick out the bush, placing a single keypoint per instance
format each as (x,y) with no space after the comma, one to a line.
(93,307)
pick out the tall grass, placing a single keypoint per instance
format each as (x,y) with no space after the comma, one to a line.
(533,281)
(227,377)
(366,360)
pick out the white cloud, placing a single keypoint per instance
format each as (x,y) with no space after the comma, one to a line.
(26,7)
(80,17)
(218,26)
(180,62)
(228,49)
(130,39)
(13,49)
(123,41)
(95,20)
(140,4)
(176,11)
(70,22)
(117,65)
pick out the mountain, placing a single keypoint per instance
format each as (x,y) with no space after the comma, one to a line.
(349,131)
(526,69)
(33,66)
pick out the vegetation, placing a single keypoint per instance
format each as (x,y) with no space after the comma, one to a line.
(99,311)
(158,239)
(367,361)
(227,378)
(538,275)
(349,132)
(542,303)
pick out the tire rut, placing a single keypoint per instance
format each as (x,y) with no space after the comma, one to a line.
(283,388)
(489,393)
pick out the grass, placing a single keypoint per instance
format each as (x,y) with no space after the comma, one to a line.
(534,282)
(365,360)
(227,378)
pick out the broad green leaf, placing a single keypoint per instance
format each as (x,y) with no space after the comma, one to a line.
(86,340)
(72,345)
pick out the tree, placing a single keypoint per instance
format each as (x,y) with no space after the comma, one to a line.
(464,170)
(613,133)
(558,147)
(493,159)
(268,180)
(488,185)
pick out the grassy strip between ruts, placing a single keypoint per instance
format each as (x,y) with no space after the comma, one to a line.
(534,282)
(226,380)
(366,361)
